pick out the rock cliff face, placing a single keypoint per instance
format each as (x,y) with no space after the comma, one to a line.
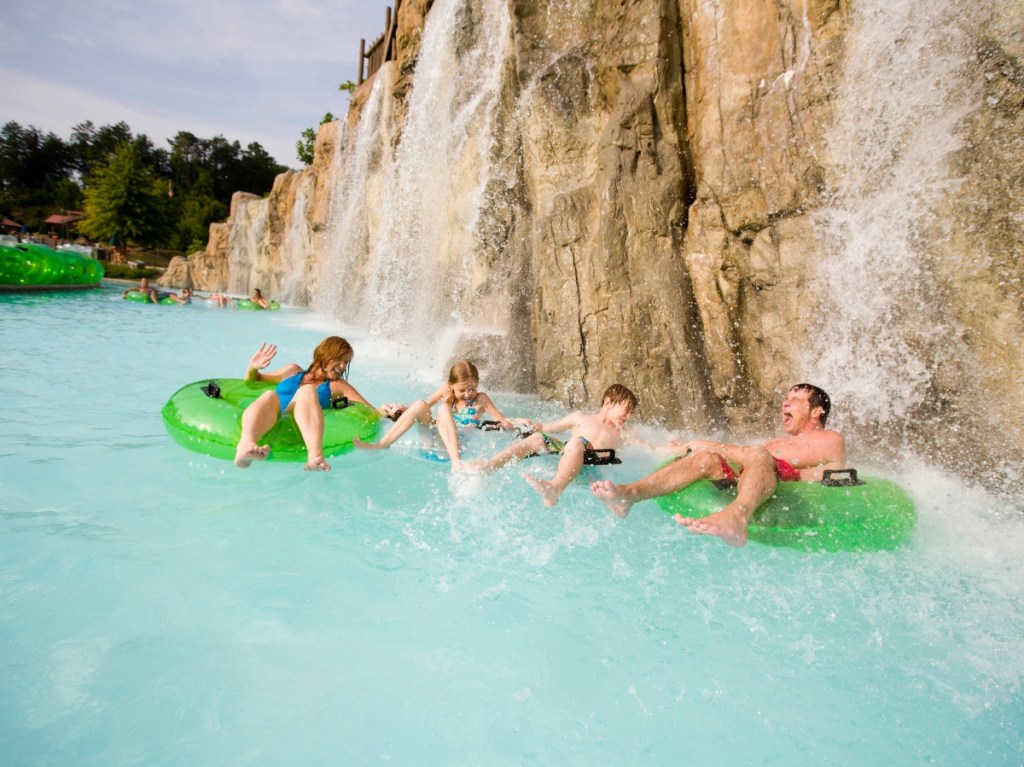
(668,195)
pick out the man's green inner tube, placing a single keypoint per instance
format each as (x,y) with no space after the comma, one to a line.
(875,516)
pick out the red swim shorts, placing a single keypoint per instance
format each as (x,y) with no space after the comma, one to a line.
(784,469)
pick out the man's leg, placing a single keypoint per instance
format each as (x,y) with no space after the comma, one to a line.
(756,484)
(669,478)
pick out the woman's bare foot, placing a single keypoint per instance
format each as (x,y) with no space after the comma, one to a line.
(244,456)
(611,497)
(725,525)
(317,464)
(548,492)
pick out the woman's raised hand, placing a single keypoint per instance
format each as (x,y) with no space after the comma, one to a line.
(263,356)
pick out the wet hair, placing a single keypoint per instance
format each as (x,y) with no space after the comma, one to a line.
(462,371)
(816,397)
(258,293)
(617,393)
(327,351)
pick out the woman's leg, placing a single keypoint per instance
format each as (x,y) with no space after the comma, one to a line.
(257,420)
(309,417)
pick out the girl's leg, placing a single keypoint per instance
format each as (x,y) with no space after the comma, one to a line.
(309,417)
(449,434)
(417,411)
(257,420)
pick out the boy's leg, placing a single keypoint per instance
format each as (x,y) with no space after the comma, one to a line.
(569,466)
(516,451)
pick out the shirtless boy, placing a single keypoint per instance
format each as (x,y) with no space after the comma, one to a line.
(589,432)
(803,454)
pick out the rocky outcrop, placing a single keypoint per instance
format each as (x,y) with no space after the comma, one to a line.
(660,171)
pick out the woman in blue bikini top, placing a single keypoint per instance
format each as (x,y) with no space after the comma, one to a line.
(303,393)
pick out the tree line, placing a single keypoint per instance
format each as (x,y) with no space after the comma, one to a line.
(129,190)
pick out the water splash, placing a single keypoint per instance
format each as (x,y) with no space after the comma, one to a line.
(885,334)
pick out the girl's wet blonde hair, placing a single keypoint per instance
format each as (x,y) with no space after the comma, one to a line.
(327,351)
(462,371)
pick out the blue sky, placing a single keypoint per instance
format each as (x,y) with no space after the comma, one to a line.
(252,70)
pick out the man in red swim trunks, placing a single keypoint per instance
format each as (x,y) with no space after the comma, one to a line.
(803,454)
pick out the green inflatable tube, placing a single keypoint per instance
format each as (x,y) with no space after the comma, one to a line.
(245,303)
(28,263)
(142,298)
(876,515)
(213,425)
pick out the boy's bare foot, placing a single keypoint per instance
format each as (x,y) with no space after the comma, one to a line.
(246,455)
(723,524)
(317,464)
(610,496)
(548,492)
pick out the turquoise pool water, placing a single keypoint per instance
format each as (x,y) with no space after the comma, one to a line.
(161,608)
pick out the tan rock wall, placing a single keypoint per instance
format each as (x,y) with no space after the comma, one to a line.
(658,166)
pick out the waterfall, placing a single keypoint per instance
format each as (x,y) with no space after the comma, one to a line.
(291,271)
(245,246)
(903,93)
(416,261)
(341,289)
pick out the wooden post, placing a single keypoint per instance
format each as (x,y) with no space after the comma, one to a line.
(362,58)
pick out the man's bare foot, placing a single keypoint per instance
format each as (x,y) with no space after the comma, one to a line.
(722,525)
(476,466)
(246,455)
(548,492)
(611,497)
(317,464)
(368,445)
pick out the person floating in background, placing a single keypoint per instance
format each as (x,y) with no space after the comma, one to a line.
(184,298)
(257,298)
(589,433)
(460,404)
(807,450)
(144,288)
(303,393)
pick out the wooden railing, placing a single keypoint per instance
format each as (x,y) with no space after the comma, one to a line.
(382,49)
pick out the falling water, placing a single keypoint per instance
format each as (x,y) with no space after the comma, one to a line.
(902,97)
(418,262)
(341,290)
(244,248)
(290,282)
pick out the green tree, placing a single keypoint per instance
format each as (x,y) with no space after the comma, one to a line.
(304,146)
(125,201)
